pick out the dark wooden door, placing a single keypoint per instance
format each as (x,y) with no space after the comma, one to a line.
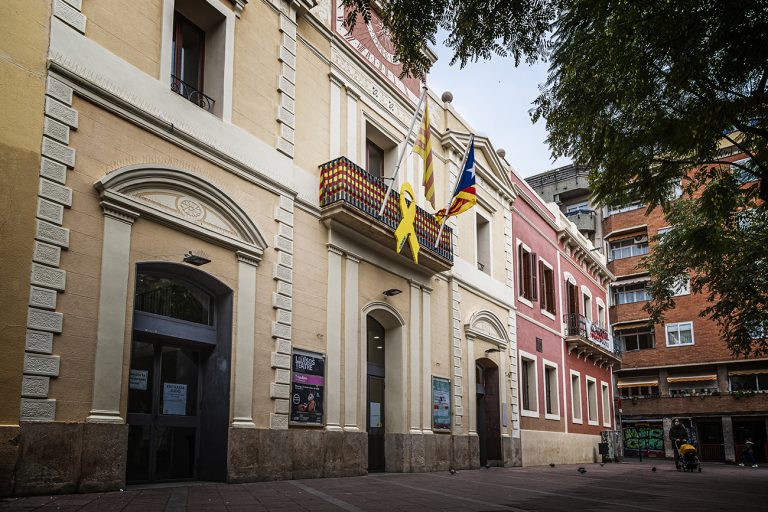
(375,423)
(163,413)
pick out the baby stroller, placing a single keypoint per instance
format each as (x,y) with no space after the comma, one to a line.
(689,459)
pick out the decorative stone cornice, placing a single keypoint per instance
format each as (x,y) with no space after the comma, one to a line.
(118,212)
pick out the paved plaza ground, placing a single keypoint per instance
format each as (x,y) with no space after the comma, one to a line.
(629,486)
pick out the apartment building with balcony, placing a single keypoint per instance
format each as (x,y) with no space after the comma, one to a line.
(568,187)
(566,354)
(208,291)
(682,368)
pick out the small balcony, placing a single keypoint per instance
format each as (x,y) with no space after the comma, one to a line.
(184,89)
(352,197)
(585,220)
(589,340)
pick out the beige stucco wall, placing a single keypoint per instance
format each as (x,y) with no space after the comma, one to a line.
(105,143)
(312,107)
(541,448)
(24,26)
(131,30)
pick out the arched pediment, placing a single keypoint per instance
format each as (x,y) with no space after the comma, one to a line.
(184,201)
(485,325)
(385,314)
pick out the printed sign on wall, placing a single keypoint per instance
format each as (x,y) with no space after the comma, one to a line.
(307,388)
(441,404)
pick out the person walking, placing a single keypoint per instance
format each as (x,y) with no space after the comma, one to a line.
(748,454)
(678,434)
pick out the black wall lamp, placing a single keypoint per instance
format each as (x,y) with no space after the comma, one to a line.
(392,292)
(492,350)
(196,259)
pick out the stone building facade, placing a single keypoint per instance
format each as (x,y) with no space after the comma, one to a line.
(205,286)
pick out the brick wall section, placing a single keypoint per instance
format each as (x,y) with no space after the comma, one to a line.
(694,405)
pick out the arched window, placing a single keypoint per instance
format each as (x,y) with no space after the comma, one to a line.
(173,297)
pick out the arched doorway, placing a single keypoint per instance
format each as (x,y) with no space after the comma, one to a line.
(487,410)
(178,394)
(385,376)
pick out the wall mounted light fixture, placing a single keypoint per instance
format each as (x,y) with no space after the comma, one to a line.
(196,259)
(392,292)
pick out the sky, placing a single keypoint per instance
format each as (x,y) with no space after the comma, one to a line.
(494,97)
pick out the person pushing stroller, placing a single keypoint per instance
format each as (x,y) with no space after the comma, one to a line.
(678,434)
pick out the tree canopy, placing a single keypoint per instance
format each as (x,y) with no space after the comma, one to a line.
(647,95)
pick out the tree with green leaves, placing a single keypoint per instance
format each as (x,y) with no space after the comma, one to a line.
(645,94)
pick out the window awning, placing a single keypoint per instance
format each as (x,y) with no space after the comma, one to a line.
(692,378)
(637,381)
(632,325)
(758,371)
(636,280)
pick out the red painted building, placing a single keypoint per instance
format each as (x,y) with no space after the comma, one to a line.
(565,354)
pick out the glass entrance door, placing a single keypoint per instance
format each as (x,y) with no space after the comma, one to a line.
(163,412)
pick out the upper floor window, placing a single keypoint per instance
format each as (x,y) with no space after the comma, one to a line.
(587,301)
(682,286)
(629,247)
(547,287)
(374,159)
(636,339)
(744,170)
(630,293)
(575,209)
(198,42)
(527,270)
(483,243)
(679,334)
(600,314)
(748,381)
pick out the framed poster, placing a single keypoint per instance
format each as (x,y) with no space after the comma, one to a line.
(441,404)
(307,388)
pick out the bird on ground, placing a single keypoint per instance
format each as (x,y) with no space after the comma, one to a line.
(581,470)
(653,469)
(551,464)
(452,471)
(602,464)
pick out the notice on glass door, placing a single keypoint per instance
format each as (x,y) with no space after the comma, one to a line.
(174,398)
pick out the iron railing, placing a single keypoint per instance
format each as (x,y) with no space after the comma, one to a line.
(182,88)
(578,325)
(559,175)
(343,181)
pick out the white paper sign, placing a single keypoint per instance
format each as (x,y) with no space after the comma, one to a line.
(138,379)
(375,419)
(174,398)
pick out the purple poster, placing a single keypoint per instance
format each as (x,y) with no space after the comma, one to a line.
(307,388)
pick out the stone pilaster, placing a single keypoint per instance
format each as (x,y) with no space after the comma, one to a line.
(286,86)
(458,372)
(47,280)
(282,303)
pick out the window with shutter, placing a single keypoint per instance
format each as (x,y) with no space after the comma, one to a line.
(534,285)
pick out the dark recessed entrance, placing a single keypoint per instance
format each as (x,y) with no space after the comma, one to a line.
(488,417)
(178,392)
(375,399)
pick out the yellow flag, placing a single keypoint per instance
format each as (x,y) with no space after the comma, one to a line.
(423,148)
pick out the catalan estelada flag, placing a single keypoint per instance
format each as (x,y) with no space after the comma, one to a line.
(464,195)
(423,148)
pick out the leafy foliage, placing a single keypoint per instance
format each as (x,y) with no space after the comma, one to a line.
(651,93)
(478,29)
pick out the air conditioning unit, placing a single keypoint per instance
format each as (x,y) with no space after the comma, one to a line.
(641,238)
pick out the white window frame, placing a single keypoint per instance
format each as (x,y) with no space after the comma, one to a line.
(553,366)
(678,324)
(601,318)
(683,289)
(633,252)
(488,219)
(605,396)
(530,413)
(518,265)
(586,292)
(576,390)
(166,50)
(554,289)
(590,421)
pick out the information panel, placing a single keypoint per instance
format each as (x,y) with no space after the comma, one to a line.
(441,404)
(307,388)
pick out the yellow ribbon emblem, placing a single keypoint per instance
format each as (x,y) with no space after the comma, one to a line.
(405,230)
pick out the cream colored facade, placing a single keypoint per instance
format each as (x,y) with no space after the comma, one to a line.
(134,176)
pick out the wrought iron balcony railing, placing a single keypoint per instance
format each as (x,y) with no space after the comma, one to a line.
(584,335)
(192,94)
(352,196)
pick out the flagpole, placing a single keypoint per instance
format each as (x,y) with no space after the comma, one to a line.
(402,150)
(450,199)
